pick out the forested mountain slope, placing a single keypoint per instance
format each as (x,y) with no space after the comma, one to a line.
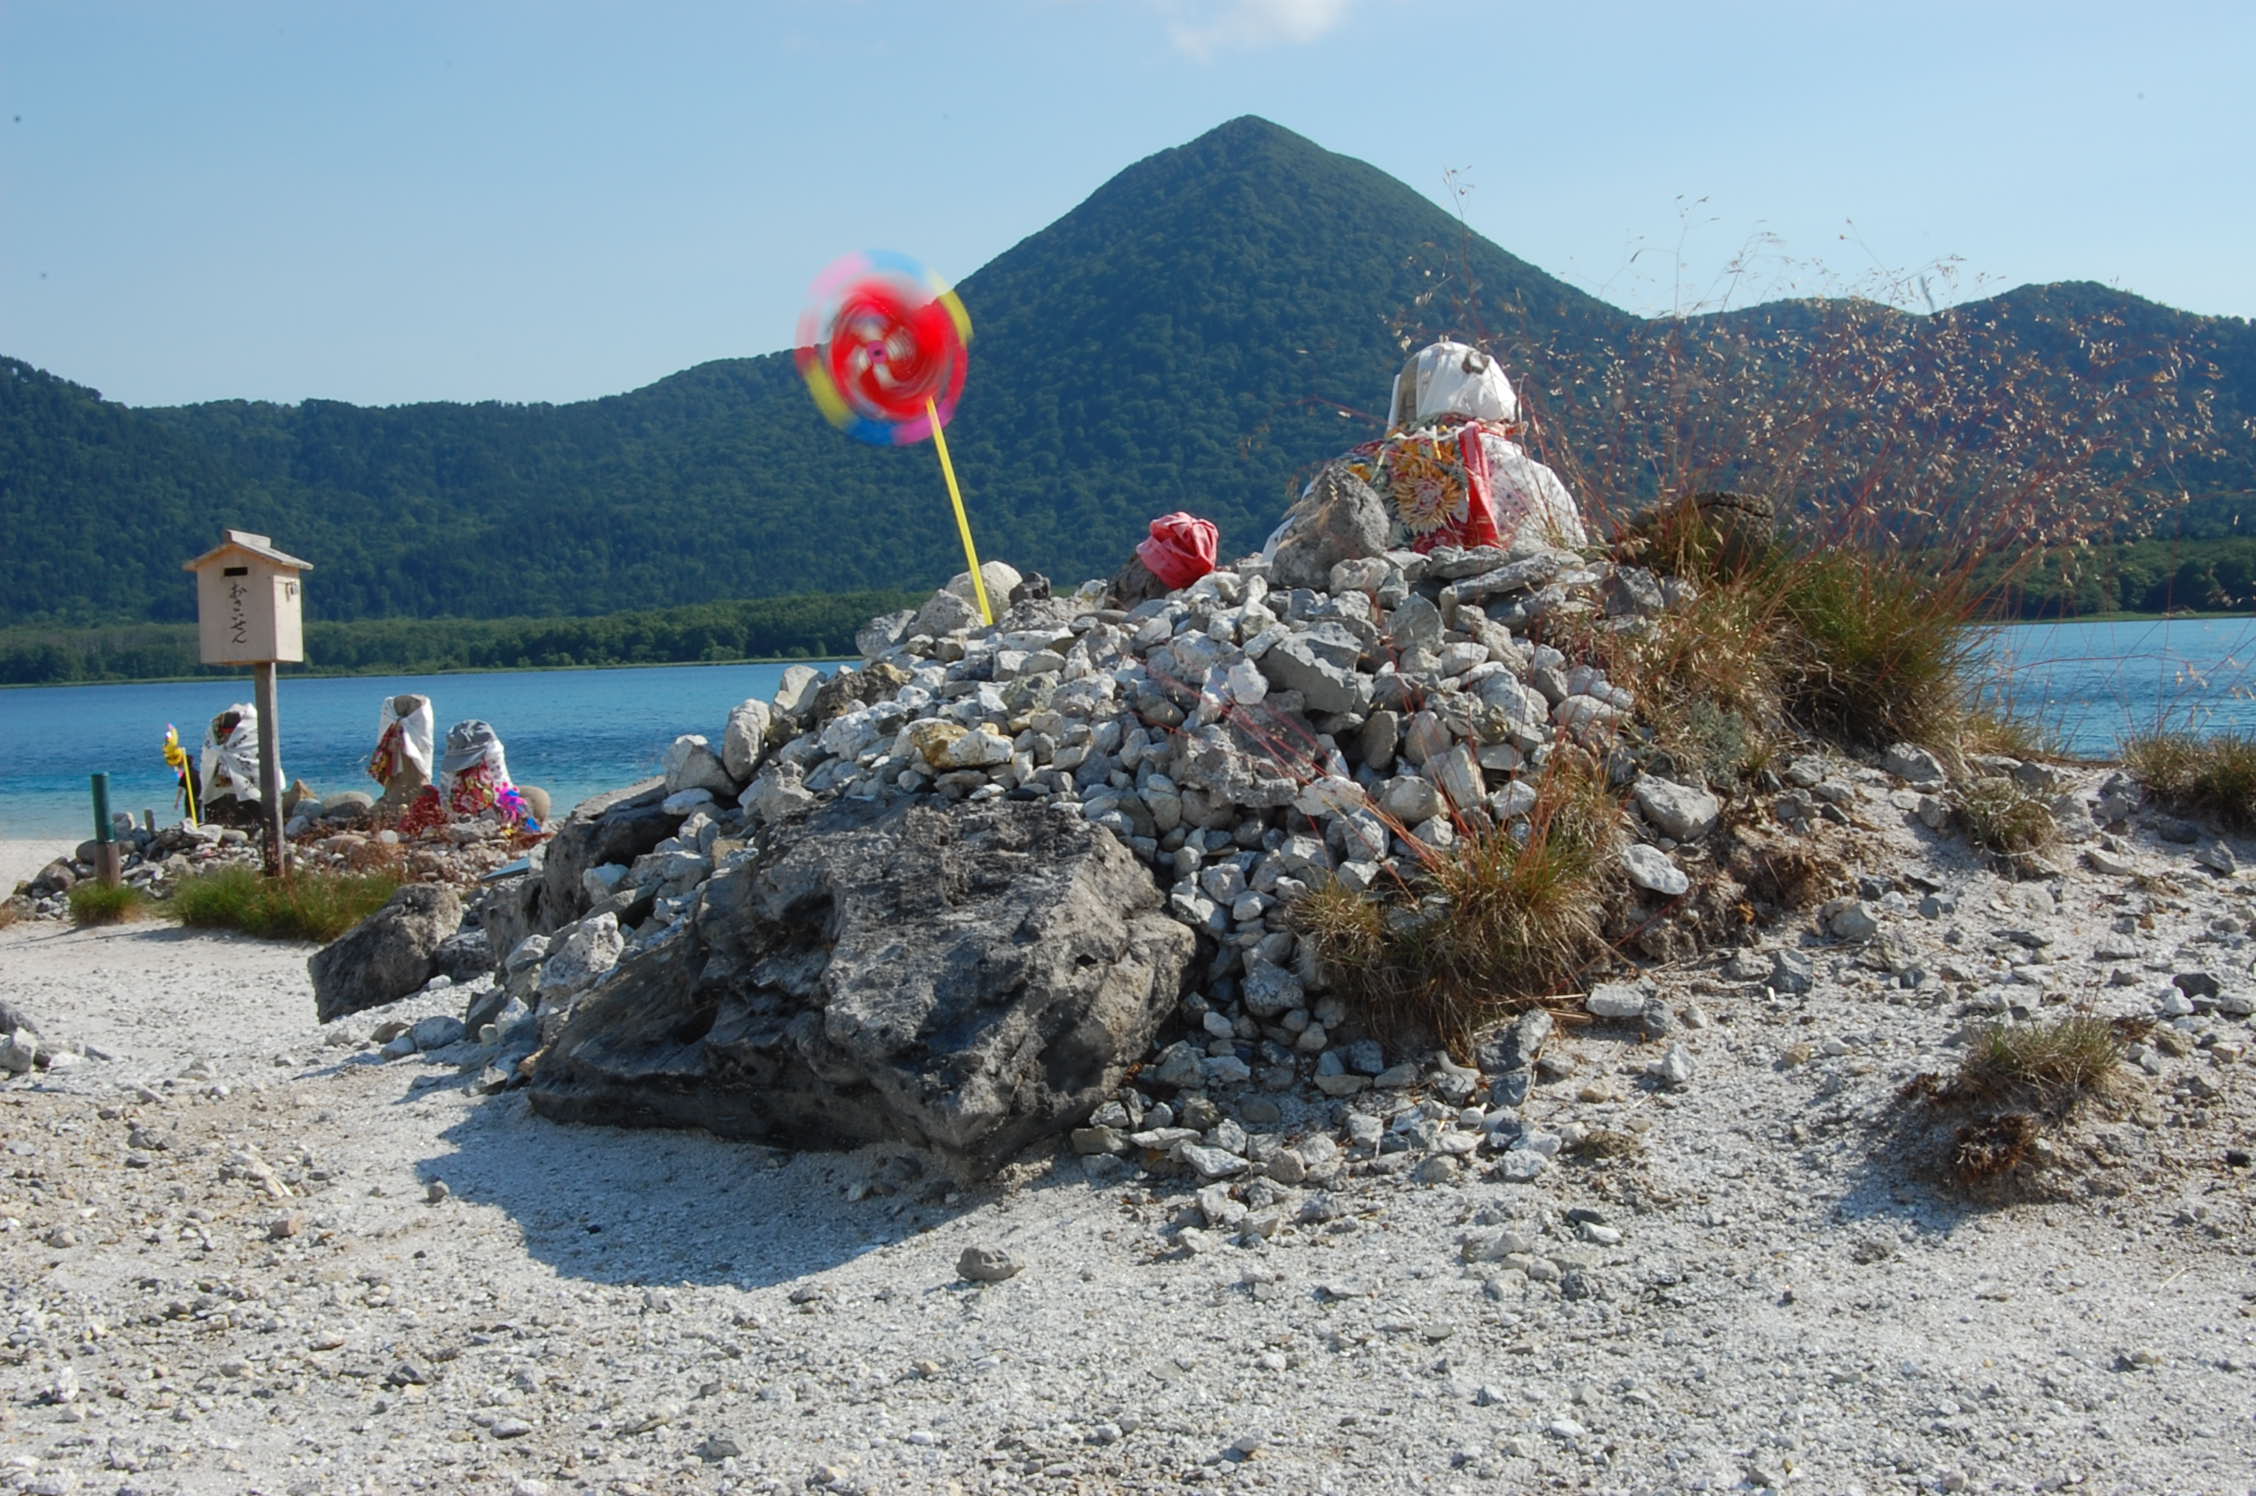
(1199,333)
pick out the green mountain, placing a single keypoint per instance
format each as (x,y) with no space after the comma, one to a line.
(1198,334)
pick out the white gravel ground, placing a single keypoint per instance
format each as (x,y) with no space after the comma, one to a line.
(224,1268)
(22,858)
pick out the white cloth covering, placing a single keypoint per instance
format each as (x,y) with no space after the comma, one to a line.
(1529,501)
(230,767)
(1451,379)
(418,729)
(1528,488)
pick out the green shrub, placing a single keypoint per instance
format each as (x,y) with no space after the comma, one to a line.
(316,906)
(94,903)
(1484,928)
(2214,777)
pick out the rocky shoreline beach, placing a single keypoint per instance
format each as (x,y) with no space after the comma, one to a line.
(1686,1229)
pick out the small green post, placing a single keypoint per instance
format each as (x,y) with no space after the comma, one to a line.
(109,857)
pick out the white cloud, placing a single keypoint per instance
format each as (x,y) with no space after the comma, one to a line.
(1202,28)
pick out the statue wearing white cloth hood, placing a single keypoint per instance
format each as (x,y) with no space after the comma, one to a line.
(229,762)
(405,731)
(1448,466)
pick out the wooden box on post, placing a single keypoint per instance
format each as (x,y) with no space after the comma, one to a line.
(249,602)
(250,611)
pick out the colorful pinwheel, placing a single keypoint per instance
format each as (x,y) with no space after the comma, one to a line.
(883,348)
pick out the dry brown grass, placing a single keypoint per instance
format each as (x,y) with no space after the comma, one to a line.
(1993,1148)
(1706,677)
(2001,815)
(1845,642)
(2212,777)
(2052,1066)
(1990,728)
(1484,928)
(1598,1144)
(1786,873)
(1918,465)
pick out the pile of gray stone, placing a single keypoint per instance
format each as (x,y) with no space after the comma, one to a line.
(150,858)
(336,831)
(1333,711)
(24,1051)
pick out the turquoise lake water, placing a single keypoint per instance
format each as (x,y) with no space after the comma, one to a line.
(2097,682)
(573,732)
(577,732)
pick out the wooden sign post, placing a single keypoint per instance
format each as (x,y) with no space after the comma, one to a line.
(250,611)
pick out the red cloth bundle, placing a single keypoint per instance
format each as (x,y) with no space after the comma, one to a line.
(1181,548)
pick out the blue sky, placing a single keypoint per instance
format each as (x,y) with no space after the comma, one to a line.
(484,199)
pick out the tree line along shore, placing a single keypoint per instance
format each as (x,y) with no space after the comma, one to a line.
(804,627)
(2131,579)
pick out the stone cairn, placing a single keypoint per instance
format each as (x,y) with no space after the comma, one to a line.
(334,834)
(1278,723)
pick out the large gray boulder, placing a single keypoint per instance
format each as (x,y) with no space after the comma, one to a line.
(691,764)
(745,742)
(1340,518)
(613,828)
(968,977)
(386,956)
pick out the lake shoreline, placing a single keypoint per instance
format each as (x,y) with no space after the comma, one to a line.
(316,673)
(288,673)
(2175,617)
(571,732)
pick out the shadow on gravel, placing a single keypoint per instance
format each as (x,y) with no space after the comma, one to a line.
(154,931)
(656,1207)
(1900,1182)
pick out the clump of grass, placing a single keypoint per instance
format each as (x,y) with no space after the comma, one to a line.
(2052,1066)
(317,906)
(1785,873)
(2018,1080)
(1991,1148)
(1484,928)
(1723,745)
(96,903)
(1706,678)
(2010,733)
(1849,642)
(1877,652)
(2004,816)
(2212,777)
(1598,1144)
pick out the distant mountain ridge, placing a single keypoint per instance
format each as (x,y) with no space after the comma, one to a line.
(1188,337)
